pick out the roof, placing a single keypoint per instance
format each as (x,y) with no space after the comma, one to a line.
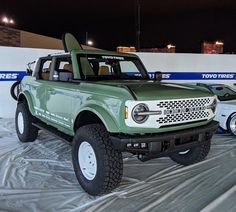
(97,52)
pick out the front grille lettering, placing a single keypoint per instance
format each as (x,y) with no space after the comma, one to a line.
(181,111)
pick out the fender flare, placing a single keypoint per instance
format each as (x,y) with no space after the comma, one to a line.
(28,98)
(109,122)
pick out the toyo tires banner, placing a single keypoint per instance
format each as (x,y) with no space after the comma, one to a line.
(12,75)
(192,76)
(18,75)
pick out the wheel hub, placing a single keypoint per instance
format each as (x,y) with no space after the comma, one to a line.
(20,122)
(184,152)
(233,125)
(87,160)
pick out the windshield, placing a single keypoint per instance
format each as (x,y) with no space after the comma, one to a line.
(223,93)
(108,67)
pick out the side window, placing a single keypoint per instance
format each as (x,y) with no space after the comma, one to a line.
(63,64)
(63,70)
(87,68)
(45,67)
(104,69)
(128,67)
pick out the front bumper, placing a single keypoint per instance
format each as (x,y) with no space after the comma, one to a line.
(164,143)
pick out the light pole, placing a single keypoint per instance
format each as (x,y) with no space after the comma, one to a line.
(138,28)
(88,41)
(86,38)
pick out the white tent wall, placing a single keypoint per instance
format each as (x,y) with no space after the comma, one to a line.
(14,59)
(190,68)
(185,68)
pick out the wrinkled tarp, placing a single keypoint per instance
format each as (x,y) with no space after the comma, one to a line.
(39,176)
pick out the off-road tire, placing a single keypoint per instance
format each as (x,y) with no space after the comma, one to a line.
(232,118)
(109,161)
(28,132)
(15,90)
(194,155)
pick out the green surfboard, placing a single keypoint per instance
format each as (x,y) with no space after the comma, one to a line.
(70,43)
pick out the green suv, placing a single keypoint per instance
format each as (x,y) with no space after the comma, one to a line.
(104,103)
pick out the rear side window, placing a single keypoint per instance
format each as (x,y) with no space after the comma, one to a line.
(44,71)
(63,70)
(128,67)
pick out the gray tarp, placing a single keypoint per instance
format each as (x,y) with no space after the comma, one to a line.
(39,177)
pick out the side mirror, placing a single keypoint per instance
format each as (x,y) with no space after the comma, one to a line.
(157,76)
(29,71)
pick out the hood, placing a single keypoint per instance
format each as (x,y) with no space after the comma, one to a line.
(231,104)
(150,90)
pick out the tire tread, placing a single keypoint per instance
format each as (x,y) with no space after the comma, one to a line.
(195,155)
(30,132)
(112,159)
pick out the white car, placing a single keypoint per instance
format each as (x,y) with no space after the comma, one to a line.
(226,106)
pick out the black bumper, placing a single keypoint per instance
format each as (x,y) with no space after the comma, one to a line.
(164,143)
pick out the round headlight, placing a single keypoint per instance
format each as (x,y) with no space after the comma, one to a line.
(213,105)
(138,113)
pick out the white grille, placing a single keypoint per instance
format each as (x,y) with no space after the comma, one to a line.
(173,112)
(186,103)
(180,111)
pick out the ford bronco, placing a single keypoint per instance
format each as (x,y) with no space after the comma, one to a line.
(104,103)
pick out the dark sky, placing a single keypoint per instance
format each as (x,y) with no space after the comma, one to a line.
(111,23)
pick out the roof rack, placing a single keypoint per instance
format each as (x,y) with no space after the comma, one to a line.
(59,53)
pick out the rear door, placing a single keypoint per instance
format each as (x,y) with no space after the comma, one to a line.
(38,88)
(60,92)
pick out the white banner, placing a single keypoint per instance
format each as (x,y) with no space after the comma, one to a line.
(14,60)
(182,68)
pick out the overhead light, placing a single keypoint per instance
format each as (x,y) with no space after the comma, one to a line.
(219,43)
(90,42)
(170,46)
(5,20)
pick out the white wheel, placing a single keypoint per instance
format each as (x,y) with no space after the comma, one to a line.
(232,124)
(20,122)
(98,166)
(25,130)
(87,160)
(183,152)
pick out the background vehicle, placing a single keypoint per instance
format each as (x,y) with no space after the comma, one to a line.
(94,100)
(226,106)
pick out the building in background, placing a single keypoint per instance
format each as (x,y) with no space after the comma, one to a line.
(212,47)
(125,49)
(19,38)
(165,49)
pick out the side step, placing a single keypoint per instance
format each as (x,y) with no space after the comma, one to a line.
(52,130)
